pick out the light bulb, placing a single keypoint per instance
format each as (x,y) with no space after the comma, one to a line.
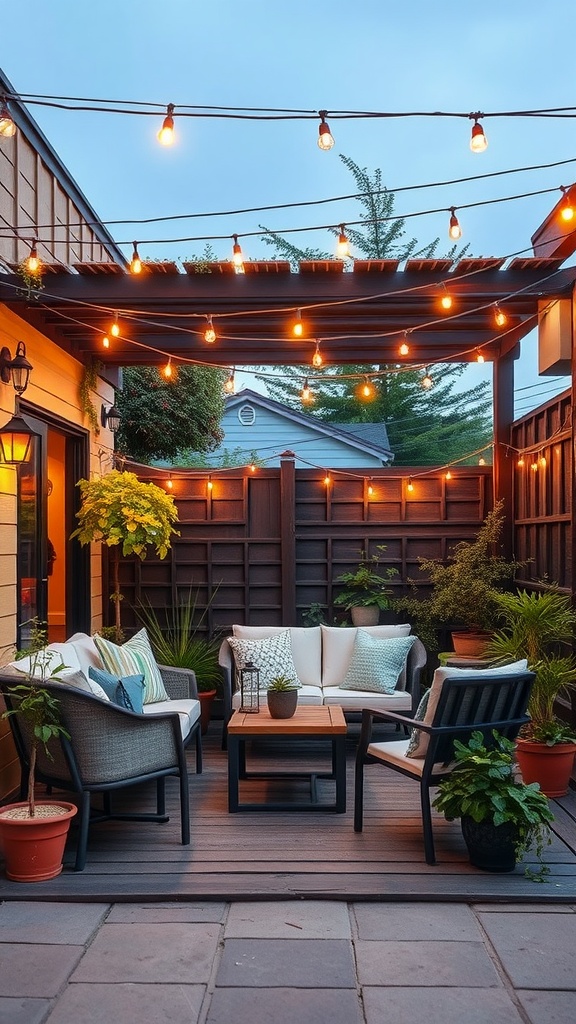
(448,475)
(115,328)
(33,262)
(229,384)
(306,394)
(478,141)
(169,484)
(209,333)
(317,357)
(166,134)
(237,257)
(427,381)
(327,480)
(479,356)
(566,210)
(7,126)
(252,467)
(370,490)
(325,140)
(342,248)
(446,301)
(481,461)
(167,371)
(209,484)
(520,461)
(404,349)
(534,467)
(298,326)
(135,262)
(367,389)
(542,461)
(454,229)
(410,485)
(105,341)
(500,317)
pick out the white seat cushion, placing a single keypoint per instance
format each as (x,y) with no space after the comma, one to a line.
(338,647)
(306,644)
(355,700)
(188,712)
(309,695)
(394,752)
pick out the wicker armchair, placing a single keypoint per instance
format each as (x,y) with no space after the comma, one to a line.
(110,749)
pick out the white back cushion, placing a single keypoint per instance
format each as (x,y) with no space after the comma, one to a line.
(306,647)
(338,647)
(47,660)
(86,652)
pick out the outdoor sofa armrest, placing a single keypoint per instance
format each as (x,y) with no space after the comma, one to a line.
(180,683)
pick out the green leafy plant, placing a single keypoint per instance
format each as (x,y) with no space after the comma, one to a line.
(280,684)
(88,384)
(128,516)
(366,586)
(539,626)
(485,786)
(177,640)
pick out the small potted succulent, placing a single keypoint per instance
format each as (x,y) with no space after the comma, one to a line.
(501,816)
(282,697)
(365,591)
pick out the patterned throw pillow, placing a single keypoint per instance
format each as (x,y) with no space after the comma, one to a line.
(376,663)
(127,692)
(133,658)
(414,741)
(272,656)
(76,678)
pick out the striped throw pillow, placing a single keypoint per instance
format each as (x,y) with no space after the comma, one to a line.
(133,658)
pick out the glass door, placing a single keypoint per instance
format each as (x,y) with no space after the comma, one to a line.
(32,541)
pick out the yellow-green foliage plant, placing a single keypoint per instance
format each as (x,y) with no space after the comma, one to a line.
(128,516)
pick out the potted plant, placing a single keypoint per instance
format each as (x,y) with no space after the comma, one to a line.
(365,591)
(465,590)
(177,640)
(539,626)
(282,697)
(33,832)
(501,816)
(127,515)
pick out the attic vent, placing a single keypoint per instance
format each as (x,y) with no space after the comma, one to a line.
(247,415)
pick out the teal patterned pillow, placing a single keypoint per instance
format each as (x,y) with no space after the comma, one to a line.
(127,692)
(376,663)
(414,741)
(272,656)
(133,658)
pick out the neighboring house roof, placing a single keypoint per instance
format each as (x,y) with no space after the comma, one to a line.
(361,440)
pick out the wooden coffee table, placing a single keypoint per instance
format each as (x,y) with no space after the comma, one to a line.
(314,723)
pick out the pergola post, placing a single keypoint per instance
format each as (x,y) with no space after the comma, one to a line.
(288,536)
(503,465)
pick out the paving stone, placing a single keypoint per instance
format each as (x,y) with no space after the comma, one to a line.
(170,953)
(68,923)
(23,1011)
(415,921)
(302,919)
(461,964)
(536,951)
(440,1006)
(129,1004)
(153,913)
(549,1007)
(524,908)
(36,971)
(286,963)
(284,1006)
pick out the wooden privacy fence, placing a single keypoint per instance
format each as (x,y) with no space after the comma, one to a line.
(267,545)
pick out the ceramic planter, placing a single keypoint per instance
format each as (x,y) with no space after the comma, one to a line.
(206,698)
(34,847)
(282,703)
(490,847)
(468,644)
(367,615)
(550,766)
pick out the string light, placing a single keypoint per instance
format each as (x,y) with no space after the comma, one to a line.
(542,461)
(534,467)
(327,480)
(209,333)
(167,371)
(7,126)
(367,389)
(325,140)
(298,326)
(478,140)
(566,210)
(404,349)
(135,262)
(169,483)
(454,229)
(209,485)
(317,357)
(230,384)
(342,249)
(481,461)
(448,475)
(166,134)
(306,394)
(479,356)
(33,262)
(426,381)
(252,467)
(115,328)
(410,485)
(500,318)
(237,257)
(105,341)
(520,461)
(370,489)
(445,299)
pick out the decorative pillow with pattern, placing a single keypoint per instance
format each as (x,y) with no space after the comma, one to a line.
(414,741)
(272,656)
(376,663)
(133,658)
(127,692)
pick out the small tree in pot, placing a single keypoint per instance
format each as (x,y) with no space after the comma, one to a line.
(366,588)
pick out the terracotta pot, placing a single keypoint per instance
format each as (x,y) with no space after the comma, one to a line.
(368,615)
(469,644)
(550,766)
(34,847)
(205,697)
(282,703)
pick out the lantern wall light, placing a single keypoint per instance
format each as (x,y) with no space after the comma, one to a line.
(15,371)
(16,441)
(110,418)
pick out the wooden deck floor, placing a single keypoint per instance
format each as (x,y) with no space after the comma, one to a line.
(286,855)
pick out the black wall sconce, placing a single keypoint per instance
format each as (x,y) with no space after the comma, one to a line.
(16,439)
(15,370)
(110,418)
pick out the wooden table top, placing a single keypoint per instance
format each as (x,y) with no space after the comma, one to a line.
(326,719)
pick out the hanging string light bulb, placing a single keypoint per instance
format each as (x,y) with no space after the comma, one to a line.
(105,341)
(404,349)
(446,300)
(209,484)
(317,357)
(426,381)
(166,134)
(342,248)
(168,370)
(169,483)
(410,485)
(33,261)
(115,328)
(454,229)
(298,326)
(370,488)
(534,466)
(325,140)
(479,356)
(520,460)
(542,460)
(448,475)
(566,209)
(478,140)
(306,394)
(135,262)
(327,480)
(252,467)
(7,126)
(230,383)
(366,390)
(237,256)
(500,318)
(209,333)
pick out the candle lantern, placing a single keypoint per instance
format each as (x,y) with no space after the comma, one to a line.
(248,682)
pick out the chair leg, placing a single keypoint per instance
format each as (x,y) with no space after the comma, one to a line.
(427,824)
(161,796)
(184,807)
(358,795)
(82,848)
(198,751)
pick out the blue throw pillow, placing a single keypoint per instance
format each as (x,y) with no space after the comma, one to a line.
(127,692)
(376,662)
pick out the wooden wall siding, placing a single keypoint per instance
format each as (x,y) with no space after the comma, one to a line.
(234,541)
(543,497)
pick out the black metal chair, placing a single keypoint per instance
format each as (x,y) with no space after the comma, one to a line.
(109,749)
(465,705)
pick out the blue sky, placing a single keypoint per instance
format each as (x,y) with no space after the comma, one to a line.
(309,54)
